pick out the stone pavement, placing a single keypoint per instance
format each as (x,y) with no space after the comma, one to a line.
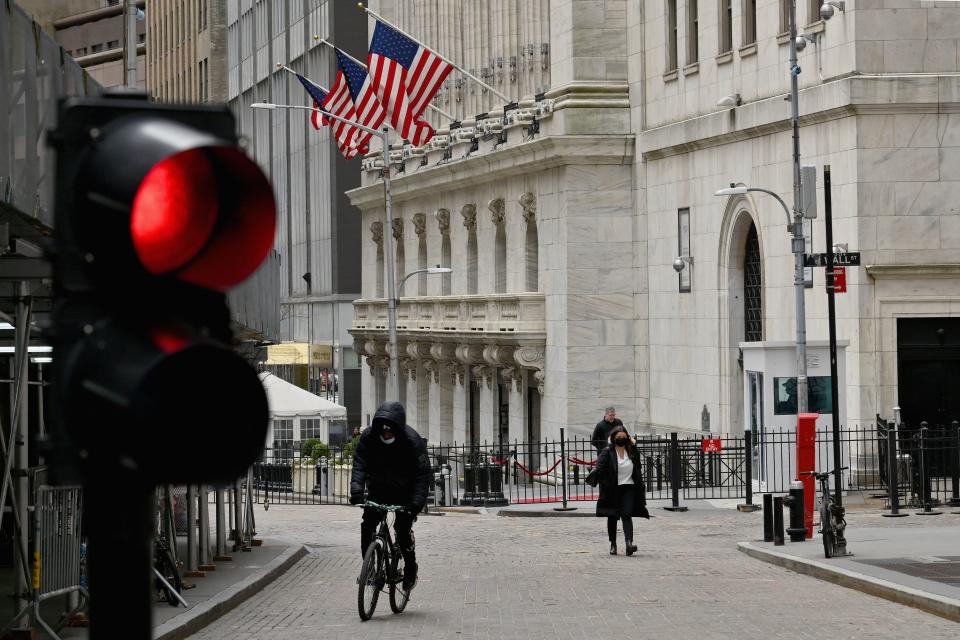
(484,576)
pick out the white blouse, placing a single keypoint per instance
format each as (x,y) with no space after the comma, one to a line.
(624,468)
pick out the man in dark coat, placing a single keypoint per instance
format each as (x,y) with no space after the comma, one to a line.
(391,463)
(601,432)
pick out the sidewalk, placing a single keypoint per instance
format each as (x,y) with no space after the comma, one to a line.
(918,566)
(212,596)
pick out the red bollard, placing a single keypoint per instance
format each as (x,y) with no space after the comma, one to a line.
(807,461)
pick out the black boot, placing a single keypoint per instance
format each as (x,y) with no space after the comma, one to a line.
(613,547)
(631,548)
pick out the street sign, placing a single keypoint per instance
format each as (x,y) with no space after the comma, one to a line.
(711,445)
(848,259)
(839,279)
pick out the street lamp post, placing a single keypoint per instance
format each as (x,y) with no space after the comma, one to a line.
(797,227)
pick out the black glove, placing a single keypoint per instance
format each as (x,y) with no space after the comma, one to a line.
(413,508)
(356,498)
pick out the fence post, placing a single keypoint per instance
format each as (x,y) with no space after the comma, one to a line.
(955,465)
(676,473)
(649,474)
(924,476)
(193,569)
(563,475)
(222,526)
(748,506)
(768,517)
(204,506)
(893,482)
(778,521)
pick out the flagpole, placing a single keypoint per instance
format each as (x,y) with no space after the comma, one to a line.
(445,59)
(393,379)
(333,46)
(280,65)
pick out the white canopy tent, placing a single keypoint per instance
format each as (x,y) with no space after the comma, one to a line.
(297,414)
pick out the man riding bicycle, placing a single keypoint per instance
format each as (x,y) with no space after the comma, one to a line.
(391,462)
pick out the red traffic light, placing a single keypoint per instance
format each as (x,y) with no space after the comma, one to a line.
(206,215)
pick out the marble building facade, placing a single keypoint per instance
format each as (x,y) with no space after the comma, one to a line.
(561,219)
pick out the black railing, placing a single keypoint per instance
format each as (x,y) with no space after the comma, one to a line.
(707,467)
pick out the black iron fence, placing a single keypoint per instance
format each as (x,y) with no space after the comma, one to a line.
(675,467)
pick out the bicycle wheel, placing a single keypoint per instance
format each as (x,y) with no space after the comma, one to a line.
(827,530)
(398,595)
(167,566)
(371,580)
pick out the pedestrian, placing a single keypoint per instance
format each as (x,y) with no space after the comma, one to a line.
(622,496)
(601,432)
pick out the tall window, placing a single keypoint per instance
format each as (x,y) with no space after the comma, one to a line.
(380,267)
(683,248)
(671,62)
(283,438)
(784,16)
(752,289)
(726,26)
(693,32)
(813,12)
(749,22)
(445,262)
(533,257)
(310,428)
(472,261)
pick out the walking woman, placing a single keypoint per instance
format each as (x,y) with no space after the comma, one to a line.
(621,488)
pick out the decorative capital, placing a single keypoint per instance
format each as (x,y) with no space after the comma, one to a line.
(497,210)
(512,376)
(497,355)
(457,371)
(528,202)
(433,369)
(410,366)
(372,363)
(376,230)
(529,357)
(469,213)
(420,224)
(443,220)
(443,351)
(398,229)
(483,372)
(539,376)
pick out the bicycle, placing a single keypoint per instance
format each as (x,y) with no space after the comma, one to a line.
(382,565)
(167,578)
(832,521)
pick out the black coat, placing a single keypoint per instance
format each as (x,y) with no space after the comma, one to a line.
(607,479)
(601,433)
(396,473)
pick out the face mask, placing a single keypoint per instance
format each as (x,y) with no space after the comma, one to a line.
(387,440)
(621,442)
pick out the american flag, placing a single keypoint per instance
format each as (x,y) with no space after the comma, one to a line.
(406,75)
(318,95)
(367,109)
(339,102)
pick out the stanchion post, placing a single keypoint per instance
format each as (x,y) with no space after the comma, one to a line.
(563,472)
(893,482)
(748,506)
(676,473)
(924,476)
(768,517)
(778,521)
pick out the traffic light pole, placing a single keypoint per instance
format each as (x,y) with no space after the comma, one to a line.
(832,316)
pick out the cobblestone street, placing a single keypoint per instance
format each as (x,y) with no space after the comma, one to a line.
(485,576)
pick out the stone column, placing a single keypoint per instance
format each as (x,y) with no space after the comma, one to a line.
(408,373)
(460,379)
(516,380)
(442,354)
(485,376)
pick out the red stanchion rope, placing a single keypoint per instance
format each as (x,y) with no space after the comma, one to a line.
(589,463)
(539,473)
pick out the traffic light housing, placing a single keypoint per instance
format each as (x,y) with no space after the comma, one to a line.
(158,212)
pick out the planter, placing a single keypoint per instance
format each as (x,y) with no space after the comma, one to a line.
(304,478)
(340,479)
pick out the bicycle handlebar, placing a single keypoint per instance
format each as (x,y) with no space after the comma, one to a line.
(384,507)
(822,473)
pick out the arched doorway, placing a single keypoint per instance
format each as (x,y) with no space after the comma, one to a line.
(741,298)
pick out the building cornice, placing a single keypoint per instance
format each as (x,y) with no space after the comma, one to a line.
(895,271)
(852,95)
(538,154)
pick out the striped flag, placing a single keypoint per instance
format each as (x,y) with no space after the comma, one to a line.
(339,102)
(367,109)
(406,75)
(318,95)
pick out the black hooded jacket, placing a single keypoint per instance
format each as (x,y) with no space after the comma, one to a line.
(395,473)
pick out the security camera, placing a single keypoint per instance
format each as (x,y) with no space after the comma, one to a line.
(801,41)
(826,11)
(678,264)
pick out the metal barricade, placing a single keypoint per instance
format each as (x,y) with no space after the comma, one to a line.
(58,552)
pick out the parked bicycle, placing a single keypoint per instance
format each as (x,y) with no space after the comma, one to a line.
(167,580)
(832,521)
(382,566)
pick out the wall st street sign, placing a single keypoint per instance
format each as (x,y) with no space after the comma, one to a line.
(847,259)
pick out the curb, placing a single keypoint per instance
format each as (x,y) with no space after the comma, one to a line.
(203,614)
(547,514)
(942,606)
